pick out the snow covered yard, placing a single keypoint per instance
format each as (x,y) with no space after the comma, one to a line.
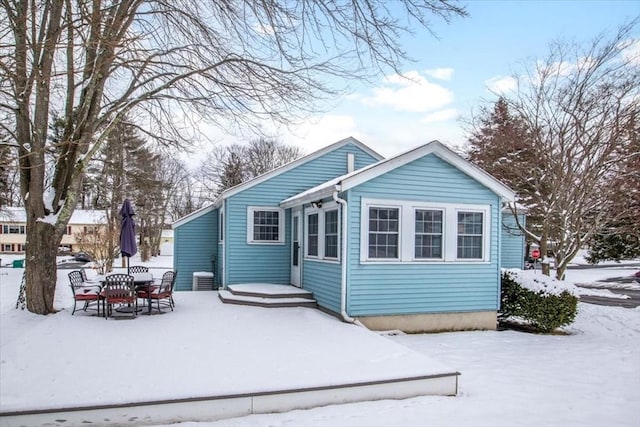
(589,377)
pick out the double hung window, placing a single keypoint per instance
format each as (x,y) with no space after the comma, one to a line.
(322,233)
(412,231)
(384,232)
(265,225)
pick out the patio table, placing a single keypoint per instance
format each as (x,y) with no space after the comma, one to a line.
(140,280)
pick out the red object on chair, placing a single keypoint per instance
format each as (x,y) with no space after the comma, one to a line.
(84,292)
(119,290)
(162,294)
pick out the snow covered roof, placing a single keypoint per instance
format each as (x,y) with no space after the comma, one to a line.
(357,177)
(12,214)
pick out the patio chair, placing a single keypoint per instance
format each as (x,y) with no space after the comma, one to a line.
(162,294)
(87,293)
(119,290)
(138,269)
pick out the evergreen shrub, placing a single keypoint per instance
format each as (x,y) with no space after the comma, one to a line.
(545,308)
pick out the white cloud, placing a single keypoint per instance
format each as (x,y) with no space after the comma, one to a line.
(410,92)
(440,73)
(441,116)
(501,84)
(321,131)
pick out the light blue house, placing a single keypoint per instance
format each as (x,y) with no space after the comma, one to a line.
(413,242)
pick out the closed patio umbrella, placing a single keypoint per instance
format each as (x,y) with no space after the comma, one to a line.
(128,246)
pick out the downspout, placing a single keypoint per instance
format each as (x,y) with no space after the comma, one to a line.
(344,249)
(223,282)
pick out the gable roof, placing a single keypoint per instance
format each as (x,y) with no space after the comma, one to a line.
(272,173)
(350,180)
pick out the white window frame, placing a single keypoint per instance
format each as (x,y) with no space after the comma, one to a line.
(307,214)
(444,228)
(281,225)
(326,207)
(365,226)
(406,227)
(484,228)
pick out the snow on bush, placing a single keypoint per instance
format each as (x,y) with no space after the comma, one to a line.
(538,282)
(542,301)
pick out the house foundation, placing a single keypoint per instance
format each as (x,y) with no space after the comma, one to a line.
(436,322)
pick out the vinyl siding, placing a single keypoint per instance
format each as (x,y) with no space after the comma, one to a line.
(323,279)
(513,244)
(271,262)
(195,244)
(411,288)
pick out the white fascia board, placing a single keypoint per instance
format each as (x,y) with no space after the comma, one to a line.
(275,172)
(322,192)
(195,214)
(438,149)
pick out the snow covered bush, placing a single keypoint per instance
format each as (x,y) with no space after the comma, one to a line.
(544,302)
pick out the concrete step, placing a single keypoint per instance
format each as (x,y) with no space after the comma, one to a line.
(231,298)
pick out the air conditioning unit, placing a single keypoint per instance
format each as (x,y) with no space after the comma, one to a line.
(202,281)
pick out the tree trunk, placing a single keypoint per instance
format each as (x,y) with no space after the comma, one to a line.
(40,269)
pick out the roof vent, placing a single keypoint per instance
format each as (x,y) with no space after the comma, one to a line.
(351,161)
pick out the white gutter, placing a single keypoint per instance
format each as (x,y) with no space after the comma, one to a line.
(224,240)
(345,239)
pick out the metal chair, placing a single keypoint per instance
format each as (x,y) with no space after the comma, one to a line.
(138,269)
(119,290)
(162,294)
(84,292)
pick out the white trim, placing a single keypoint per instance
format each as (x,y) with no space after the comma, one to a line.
(406,231)
(193,215)
(326,207)
(350,180)
(275,172)
(281,225)
(262,178)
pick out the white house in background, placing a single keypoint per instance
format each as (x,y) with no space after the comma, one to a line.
(13,224)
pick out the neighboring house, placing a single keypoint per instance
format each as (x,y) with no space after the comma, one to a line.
(13,225)
(412,242)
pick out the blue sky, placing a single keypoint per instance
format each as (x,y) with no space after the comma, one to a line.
(453,72)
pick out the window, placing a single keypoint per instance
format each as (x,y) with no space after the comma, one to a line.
(383,232)
(265,225)
(428,235)
(331,234)
(68,230)
(7,247)
(403,231)
(470,235)
(14,229)
(312,235)
(322,232)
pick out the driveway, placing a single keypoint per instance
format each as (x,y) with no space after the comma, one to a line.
(618,285)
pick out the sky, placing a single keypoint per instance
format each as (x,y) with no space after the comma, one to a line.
(453,73)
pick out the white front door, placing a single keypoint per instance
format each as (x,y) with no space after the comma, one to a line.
(296,248)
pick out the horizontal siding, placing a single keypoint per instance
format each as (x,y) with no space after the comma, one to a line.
(513,242)
(271,263)
(195,244)
(385,289)
(323,279)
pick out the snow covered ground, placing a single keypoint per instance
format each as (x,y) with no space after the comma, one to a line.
(588,377)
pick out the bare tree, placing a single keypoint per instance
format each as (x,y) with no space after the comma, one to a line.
(100,242)
(172,63)
(225,167)
(574,107)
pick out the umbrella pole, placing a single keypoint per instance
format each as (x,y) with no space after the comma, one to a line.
(128,265)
